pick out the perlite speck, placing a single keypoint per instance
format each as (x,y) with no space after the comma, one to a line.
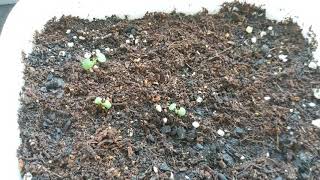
(220,132)
(312,65)
(316,93)
(316,123)
(199,99)
(165,120)
(262,33)
(253,39)
(70,44)
(312,104)
(267,98)
(283,57)
(87,55)
(158,108)
(62,53)
(249,29)
(195,124)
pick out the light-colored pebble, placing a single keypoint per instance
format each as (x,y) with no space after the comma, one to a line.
(87,55)
(269,56)
(171,176)
(270,28)
(75,37)
(263,33)
(130,131)
(312,104)
(98,51)
(107,49)
(144,41)
(158,108)
(131,36)
(283,57)
(220,132)
(95,67)
(316,93)
(68,31)
(82,38)
(253,39)
(267,154)
(62,53)
(249,29)
(155,169)
(267,98)
(313,65)
(128,41)
(195,124)
(316,123)
(27,176)
(165,120)
(136,41)
(235,9)
(70,44)
(199,99)
(242,157)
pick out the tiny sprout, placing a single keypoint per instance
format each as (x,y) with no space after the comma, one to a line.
(173,107)
(87,64)
(181,111)
(101,57)
(107,104)
(98,100)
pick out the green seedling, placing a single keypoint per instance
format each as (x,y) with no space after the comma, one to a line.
(173,107)
(181,111)
(88,64)
(98,101)
(106,105)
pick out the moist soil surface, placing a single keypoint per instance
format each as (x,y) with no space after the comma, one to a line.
(254,107)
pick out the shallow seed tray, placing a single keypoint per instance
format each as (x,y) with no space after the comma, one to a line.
(168,95)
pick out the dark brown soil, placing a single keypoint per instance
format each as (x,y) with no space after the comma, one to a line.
(178,58)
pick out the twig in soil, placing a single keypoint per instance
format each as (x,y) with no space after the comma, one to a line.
(50,172)
(279,87)
(277,138)
(254,141)
(92,152)
(221,52)
(119,104)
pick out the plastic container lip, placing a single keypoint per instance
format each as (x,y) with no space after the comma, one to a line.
(31,15)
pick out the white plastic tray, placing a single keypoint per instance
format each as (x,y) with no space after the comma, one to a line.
(30,15)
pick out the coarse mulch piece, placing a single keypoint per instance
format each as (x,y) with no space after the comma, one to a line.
(254,107)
